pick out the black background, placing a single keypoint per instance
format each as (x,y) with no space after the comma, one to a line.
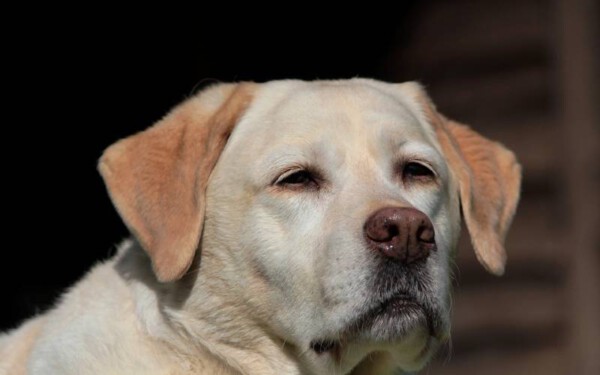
(74,84)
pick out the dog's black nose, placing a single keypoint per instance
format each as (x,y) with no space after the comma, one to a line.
(402,233)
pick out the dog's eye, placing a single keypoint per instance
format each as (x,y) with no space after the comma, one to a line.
(298,179)
(417,171)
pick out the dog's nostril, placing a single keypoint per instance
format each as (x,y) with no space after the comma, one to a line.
(393,231)
(426,233)
(381,230)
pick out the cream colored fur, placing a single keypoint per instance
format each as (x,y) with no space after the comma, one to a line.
(274,268)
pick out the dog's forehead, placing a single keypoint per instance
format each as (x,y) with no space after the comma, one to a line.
(355,107)
(342,116)
(326,105)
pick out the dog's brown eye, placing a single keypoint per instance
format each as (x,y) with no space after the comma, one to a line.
(417,171)
(298,179)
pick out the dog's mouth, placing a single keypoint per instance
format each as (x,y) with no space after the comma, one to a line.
(387,321)
(391,318)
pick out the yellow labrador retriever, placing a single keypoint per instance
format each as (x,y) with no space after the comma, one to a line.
(281,228)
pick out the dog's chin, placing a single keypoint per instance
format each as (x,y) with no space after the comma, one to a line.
(398,323)
(392,320)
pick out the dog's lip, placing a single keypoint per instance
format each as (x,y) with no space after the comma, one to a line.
(398,300)
(394,306)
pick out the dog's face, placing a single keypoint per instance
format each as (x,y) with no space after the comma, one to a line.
(336,208)
(305,170)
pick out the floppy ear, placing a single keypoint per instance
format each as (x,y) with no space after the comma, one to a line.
(489,179)
(158,177)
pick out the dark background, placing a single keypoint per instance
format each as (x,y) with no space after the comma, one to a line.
(86,82)
(522,72)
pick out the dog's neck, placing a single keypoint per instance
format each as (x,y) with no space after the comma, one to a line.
(205,332)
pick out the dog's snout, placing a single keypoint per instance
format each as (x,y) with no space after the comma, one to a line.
(402,233)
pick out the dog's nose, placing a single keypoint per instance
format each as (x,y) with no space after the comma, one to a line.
(402,233)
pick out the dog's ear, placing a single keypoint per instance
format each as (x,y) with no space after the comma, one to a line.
(157,178)
(489,179)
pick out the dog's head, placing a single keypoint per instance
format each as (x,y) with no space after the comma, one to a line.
(331,215)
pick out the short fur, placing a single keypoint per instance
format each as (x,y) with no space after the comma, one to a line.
(231,271)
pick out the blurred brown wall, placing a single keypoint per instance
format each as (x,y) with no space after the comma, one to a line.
(524,72)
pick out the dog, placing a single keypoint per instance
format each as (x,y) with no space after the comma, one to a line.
(288,227)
